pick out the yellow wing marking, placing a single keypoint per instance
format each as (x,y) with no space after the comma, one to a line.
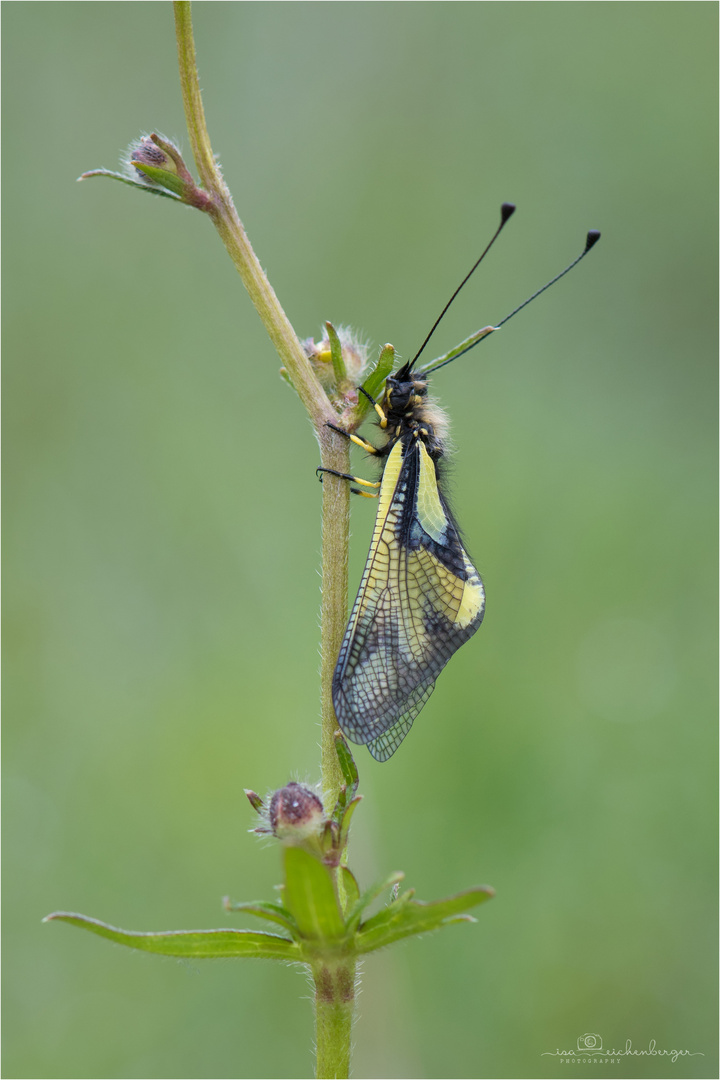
(429,508)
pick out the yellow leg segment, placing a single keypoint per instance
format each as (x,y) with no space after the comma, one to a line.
(363,443)
(355,480)
(376,407)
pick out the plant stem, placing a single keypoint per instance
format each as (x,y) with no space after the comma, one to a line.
(334,1004)
(233,235)
(334,982)
(333,610)
(334,451)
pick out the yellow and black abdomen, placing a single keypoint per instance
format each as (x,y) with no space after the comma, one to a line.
(419,600)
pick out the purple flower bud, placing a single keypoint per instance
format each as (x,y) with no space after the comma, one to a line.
(158,164)
(296,813)
(146,152)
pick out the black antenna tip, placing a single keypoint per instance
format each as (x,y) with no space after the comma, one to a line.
(592,238)
(506,211)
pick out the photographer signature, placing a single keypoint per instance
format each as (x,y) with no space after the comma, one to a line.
(590,1045)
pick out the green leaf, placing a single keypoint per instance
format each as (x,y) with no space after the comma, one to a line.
(348,798)
(132,183)
(169,180)
(376,379)
(310,896)
(369,895)
(352,889)
(406,917)
(347,767)
(264,909)
(191,944)
(254,799)
(346,819)
(336,354)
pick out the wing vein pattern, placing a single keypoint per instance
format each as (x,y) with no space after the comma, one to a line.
(419,600)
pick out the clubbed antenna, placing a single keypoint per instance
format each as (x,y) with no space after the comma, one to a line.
(506,212)
(592,238)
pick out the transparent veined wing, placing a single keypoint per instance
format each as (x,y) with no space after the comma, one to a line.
(419,600)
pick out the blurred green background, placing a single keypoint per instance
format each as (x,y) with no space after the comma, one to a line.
(162,526)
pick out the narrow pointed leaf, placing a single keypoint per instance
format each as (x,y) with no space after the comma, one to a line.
(253,797)
(347,767)
(376,379)
(336,355)
(191,944)
(264,909)
(401,920)
(352,889)
(369,895)
(310,896)
(165,179)
(131,183)
(328,839)
(347,818)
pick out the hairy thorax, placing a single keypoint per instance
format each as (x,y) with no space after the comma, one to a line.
(412,415)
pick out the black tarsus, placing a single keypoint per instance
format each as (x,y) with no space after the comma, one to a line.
(362,390)
(340,431)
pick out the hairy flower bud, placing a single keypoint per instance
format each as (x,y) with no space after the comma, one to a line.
(159,164)
(146,152)
(154,164)
(354,355)
(296,813)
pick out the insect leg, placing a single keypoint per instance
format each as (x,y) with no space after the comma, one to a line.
(363,443)
(376,407)
(355,480)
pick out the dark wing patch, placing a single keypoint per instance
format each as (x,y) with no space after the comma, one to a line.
(419,600)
